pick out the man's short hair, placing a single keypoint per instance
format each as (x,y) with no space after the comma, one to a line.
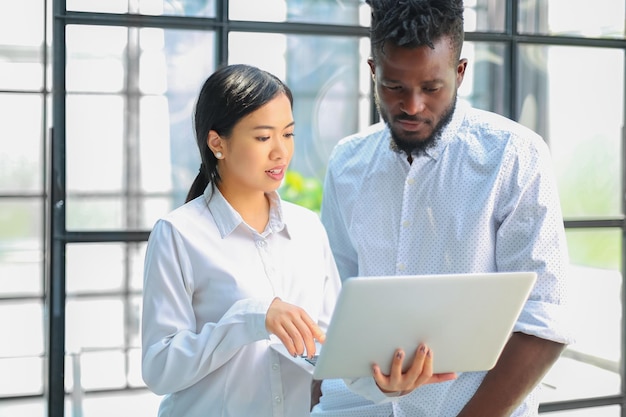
(414,23)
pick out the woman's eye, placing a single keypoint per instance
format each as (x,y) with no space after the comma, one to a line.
(290,135)
(262,138)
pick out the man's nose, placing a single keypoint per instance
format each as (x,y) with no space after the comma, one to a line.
(413,102)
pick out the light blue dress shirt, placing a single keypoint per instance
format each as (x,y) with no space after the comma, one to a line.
(208,282)
(482,199)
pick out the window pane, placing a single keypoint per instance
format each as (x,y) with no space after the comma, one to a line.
(15,317)
(484,15)
(483,84)
(590,366)
(144,137)
(101,267)
(345,12)
(198,8)
(21,363)
(329,78)
(610,411)
(21,126)
(95,58)
(94,323)
(20,376)
(586,154)
(21,45)
(29,407)
(572,18)
(95,370)
(21,250)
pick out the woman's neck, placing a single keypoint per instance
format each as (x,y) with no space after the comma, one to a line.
(254,208)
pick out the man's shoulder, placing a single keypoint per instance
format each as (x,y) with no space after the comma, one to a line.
(500,125)
(361,143)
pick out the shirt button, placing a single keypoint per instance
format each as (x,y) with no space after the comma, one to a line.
(261,243)
(401,267)
(406,223)
(277,399)
(410,181)
(275,367)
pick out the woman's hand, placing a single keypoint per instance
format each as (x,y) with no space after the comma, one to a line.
(294,327)
(420,372)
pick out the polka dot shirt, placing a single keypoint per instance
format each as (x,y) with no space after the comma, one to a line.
(482,199)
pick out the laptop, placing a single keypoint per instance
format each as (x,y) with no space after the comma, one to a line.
(466,319)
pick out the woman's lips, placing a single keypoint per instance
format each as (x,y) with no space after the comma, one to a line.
(276,173)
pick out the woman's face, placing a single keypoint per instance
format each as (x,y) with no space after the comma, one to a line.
(258,151)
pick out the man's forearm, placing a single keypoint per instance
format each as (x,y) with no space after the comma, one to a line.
(522,364)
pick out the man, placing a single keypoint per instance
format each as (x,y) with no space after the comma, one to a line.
(440,187)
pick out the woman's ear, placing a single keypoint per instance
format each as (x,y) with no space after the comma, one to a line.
(214,142)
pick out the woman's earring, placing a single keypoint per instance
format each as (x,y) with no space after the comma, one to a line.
(219,155)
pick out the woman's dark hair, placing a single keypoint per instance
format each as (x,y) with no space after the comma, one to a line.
(414,23)
(229,94)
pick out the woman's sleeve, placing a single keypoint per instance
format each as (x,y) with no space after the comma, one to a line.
(176,353)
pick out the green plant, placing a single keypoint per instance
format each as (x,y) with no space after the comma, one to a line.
(304,191)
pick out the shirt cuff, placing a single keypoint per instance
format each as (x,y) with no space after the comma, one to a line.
(547,321)
(367,388)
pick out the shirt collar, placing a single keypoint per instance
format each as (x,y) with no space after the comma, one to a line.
(228,219)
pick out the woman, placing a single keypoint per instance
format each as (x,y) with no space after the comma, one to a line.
(235,268)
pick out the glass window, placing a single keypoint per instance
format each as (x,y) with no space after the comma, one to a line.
(585,140)
(329,78)
(484,15)
(611,411)
(21,363)
(198,8)
(484,76)
(21,45)
(345,12)
(21,248)
(21,141)
(132,101)
(600,19)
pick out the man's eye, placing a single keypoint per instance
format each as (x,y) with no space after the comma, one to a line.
(393,87)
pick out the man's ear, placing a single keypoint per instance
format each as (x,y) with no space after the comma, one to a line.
(370,62)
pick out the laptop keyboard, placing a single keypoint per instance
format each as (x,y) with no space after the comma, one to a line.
(312,360)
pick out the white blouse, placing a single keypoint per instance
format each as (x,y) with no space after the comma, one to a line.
(208,282)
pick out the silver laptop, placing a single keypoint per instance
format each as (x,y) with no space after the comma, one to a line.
(466,319)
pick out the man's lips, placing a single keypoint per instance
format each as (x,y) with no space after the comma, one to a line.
(411,124)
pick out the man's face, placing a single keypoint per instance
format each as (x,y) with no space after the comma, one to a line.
(416,91)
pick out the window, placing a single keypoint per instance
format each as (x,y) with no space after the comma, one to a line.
(86,171)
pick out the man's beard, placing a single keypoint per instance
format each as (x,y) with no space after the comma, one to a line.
(408,146)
